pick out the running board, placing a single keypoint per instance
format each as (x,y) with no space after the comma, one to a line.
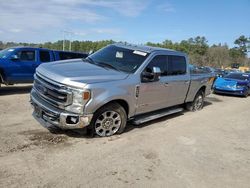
(155,115)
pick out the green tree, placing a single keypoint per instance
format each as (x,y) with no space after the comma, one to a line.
(218,56)
(200,53)
(242,44)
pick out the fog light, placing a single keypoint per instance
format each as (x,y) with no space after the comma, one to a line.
(72,120)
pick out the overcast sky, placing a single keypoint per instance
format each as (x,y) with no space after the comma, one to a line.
(135,21)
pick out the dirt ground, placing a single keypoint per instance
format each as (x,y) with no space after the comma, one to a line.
(209,148)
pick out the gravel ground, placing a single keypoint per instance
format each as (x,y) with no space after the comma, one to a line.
(209,148)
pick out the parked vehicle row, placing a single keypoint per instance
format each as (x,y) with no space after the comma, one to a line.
(116,84)
(18,64)
(238,80)
(230,81)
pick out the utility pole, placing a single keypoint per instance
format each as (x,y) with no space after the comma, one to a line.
(70,34)
(70,42)
(63,41)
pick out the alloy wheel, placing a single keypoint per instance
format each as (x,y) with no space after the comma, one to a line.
(108,123)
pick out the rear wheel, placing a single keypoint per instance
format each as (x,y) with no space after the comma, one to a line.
(197,103)
(247,92)
(109,120)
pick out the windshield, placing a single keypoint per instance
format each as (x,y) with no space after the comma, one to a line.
(5,53)
(118,58)
(238,76)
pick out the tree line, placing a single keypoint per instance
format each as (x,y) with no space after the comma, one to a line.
(200,53)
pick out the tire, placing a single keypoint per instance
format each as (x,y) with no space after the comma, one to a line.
(109,120)
(1,80)
(247,93)
(197,103)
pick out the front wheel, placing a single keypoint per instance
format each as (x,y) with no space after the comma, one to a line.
(109,120)
(247,93)
(197,103)
(1,80)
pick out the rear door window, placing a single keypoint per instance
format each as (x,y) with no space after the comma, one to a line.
(45,56)
(176,65)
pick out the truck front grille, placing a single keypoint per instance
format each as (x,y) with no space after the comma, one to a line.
(52,92)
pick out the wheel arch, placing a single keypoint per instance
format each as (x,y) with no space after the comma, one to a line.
(191,94)
(123,103)
(203,89)
(2,75)
(116,102)
(190,105)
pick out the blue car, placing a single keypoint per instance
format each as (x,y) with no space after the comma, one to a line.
(233,84)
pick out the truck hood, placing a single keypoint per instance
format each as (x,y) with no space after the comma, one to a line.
(78,73)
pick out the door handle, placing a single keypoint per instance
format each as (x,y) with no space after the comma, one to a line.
(186,82)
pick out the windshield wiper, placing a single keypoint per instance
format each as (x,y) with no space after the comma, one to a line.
(102,64)
(90,60)
(108,65)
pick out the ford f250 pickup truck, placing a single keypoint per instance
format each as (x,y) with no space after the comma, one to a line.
(115,84)
(18,64)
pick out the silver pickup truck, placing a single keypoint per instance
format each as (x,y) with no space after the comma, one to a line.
(116,84)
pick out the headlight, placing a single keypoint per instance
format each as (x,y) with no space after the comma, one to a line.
(240,87)
(80,98)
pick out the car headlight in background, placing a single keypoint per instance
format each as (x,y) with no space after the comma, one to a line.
(80,99)
(240,86)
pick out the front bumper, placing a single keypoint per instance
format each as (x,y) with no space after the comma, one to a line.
(230,92)
(48,115)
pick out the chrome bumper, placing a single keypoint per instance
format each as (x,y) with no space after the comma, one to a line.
(48,115)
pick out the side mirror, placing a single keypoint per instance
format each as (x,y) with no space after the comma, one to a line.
(151,75)
(156,73)
(14,58)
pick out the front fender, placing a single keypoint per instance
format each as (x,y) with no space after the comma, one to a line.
(111,92)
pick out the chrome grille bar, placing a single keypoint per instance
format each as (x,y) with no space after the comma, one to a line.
(52,92)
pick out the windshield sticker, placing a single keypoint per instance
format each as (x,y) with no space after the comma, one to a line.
(140,53)
(10,50)
(119,55)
